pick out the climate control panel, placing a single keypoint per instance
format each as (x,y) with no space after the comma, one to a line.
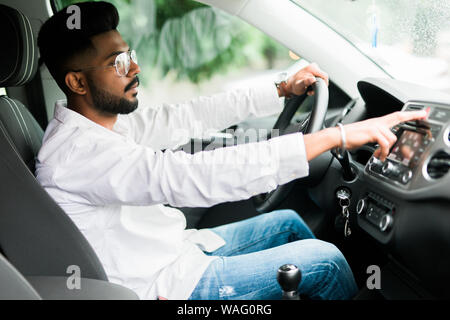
(391,170)
(376,210)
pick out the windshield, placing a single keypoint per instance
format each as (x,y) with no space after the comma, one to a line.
(409,39)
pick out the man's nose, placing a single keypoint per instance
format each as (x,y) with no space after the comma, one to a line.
(134,69)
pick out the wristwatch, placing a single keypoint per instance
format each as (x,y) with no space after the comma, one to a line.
(282,78)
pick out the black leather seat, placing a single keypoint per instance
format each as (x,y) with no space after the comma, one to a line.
(18,65)
(36,236)
(16,287)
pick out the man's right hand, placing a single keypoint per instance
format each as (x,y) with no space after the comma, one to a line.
(378,130)
(357,134)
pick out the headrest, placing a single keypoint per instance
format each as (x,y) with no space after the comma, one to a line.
(19,54)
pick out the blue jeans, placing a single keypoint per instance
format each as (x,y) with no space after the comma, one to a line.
(255,249)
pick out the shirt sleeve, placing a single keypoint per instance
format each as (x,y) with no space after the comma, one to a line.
(172,125)
(119,173)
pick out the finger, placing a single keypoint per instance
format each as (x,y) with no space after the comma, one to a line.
(377,152)
(384,147)
(325,77)
(403,116)
(390,137)
(315,70)
(309,81)
(302,85)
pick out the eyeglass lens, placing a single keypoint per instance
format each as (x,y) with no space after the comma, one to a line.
(123,62)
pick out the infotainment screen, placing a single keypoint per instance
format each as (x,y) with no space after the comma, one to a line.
(408,148)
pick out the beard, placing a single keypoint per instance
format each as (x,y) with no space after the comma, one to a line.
(106,102)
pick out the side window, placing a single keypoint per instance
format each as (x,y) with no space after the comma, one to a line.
(3,92)
(187,49)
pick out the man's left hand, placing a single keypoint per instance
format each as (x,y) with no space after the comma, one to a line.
(299,83)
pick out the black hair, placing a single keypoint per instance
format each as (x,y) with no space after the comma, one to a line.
(58,44)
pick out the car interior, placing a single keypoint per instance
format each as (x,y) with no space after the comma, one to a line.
(399,210)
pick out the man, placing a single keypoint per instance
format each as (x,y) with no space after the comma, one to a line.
(100,155)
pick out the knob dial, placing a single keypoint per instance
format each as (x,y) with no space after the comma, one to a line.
(361,206)
(390,169)
(406,176)
(386,222)
(374,163)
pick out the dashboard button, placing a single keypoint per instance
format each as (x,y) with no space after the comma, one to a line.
(386,222)
(406,176)
(386,167)
(362,206)
(390,169)
(375,165)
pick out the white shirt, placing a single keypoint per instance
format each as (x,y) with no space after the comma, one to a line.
(113,184)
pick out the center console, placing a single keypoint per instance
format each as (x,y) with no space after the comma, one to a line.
(407,164)
(417,164)
(399,208)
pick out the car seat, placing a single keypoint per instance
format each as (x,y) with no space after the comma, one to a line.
(36,235)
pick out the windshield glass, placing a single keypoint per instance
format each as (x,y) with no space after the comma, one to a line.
(409,39)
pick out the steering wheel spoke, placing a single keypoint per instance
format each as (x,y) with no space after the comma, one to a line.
(312,123)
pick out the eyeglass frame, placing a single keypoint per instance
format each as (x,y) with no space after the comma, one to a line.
(129,53)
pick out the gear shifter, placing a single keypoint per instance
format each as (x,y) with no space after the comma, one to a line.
(289,277)
(347,172)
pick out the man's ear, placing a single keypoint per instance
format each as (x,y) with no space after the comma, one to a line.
(76,83)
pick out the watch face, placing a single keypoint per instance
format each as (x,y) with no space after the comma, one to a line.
(281,77)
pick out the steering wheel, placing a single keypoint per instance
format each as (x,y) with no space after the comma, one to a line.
(314,122)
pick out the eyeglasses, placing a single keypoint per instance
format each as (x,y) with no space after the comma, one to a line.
(122,63)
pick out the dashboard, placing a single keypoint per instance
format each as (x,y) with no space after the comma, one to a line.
(420,156)
(403,203)
(419,161)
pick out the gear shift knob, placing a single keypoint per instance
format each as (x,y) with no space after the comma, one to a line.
(289,277)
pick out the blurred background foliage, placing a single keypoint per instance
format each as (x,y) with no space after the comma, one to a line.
(193,40)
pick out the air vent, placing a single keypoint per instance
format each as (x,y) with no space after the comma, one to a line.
(439,165)
(414,107)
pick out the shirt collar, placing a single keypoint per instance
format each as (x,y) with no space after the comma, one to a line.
(68,116)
